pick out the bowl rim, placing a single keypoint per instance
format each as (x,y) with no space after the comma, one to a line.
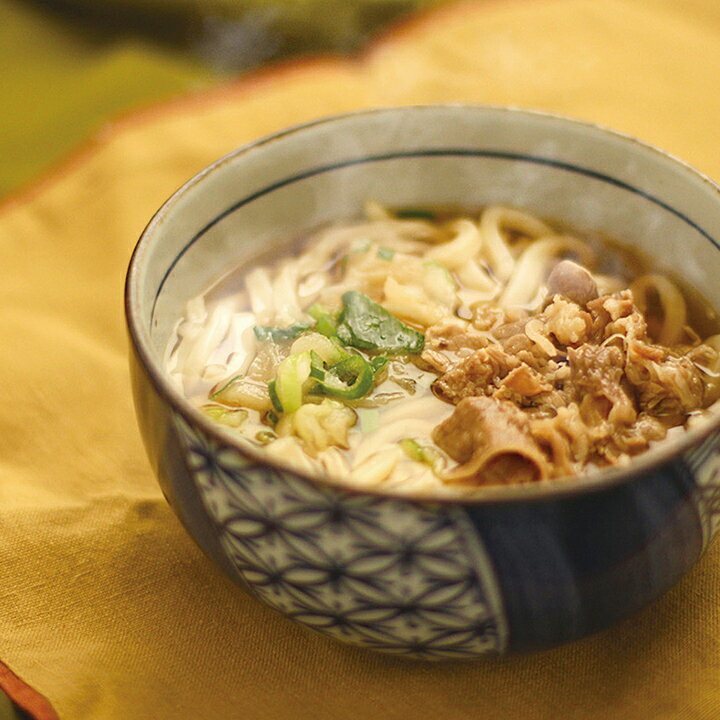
(643,464)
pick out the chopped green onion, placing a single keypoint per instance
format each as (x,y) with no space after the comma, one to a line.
(412,449)
(224,387)
(278,334)
(325,321)
(367,325)
(317,366)
(360,245)
(414,214)
(349,379)
(272,392)
(265,437)
(291,375)
(232,417)
(420,454)
(385,253)
(379,363)
(330,352)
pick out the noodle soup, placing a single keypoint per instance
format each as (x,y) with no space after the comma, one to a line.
(436,350)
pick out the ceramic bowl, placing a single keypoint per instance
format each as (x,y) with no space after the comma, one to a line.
(516,569)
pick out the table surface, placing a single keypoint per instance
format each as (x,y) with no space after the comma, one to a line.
(109,610)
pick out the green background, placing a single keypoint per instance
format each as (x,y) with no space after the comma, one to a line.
(68,66)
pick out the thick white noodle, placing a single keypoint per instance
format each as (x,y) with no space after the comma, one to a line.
(376,468)
(674,311)
(608,284)
(414,417)
(410,302)
(493,222)
(334,462)
(478,279)
(289,451)
(241,340)
(201,339)
(713,341)
(260,293)
(310,288)
(532,267)
(463,247)
(285,297)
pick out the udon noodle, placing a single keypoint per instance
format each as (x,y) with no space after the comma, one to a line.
(432,351)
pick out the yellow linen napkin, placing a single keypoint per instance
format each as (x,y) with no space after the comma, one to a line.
(106,606)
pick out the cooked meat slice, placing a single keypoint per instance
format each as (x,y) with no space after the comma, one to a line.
(488,317)
(666,384)
(511,329)
(569,323)
(565,438)
(545,395)
(707,360)
(573,282)
(515,342)
(600,318)
(454,335)
(475,375)
(597,374)
(616,314)
(525,381)
(637,437)
(448,341)
(490,440)
(529,390)
(435,361)
(594,366)
(625,318)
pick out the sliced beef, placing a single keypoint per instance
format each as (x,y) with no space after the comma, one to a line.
(448,342)
(567,321)
(475,375)
(596,372)
(453,336)
(525,381)
(666,384)
(490,440)
(616,314)
(565,438)
(571,386)
(637,437)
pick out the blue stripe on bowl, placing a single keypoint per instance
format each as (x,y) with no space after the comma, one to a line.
(439,152)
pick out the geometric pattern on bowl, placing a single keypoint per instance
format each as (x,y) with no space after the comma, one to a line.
(704,464)
(397,576)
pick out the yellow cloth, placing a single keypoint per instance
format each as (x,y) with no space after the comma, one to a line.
(106,606)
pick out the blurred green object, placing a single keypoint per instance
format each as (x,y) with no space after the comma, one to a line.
(7,709)
(271,26)
(61,81)
(70,65)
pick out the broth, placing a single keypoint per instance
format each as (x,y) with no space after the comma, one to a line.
(436,349)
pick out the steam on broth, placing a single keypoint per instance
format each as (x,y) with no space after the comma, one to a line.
(439,351)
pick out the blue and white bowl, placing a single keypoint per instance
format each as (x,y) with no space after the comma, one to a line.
(518,567)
